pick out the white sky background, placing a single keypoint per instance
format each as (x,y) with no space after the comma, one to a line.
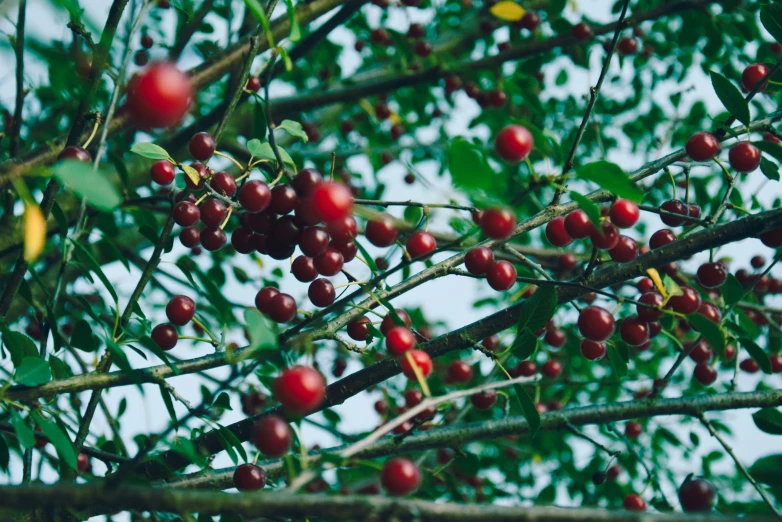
(447,299)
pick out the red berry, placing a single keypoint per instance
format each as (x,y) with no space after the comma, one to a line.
(190,237)
(348,250)
(613,472)
(702,146)
(399,340)
(484,400)
(223,183)
(744,157)
(498,223)
(186,214)
(202,146)
(634,331)
(697,495)
(551,369)
(165,336)
(776,362)
(255,196)
(753,74)
(661,238)
(632,430)
(633,502)
(749,366)
(300,390)
(413,398)
(180,310)
(478,260)
(567,261)
(529,21)
(704,374)
(343,230)
(772,238)
(710,312)
(652,298)
(712,275)
(284,199)
(420,244)
(627,45)
(213,238)
(243,240)
(592,351)
(556,233)
(624,213)
(422,361)
(282,308)
(332,200)
(321,292)
(400,476)
(767,136)
(381,231)
(329,262)
(146,41)
(513,143)
(313,241)
(159,96)
(83,463)
(272,436)
(213,212)
(305,181)
(582,31)
(249,477)
(388,322)
(253,84)
(526,368)
(162,172)
(459,372)
(303,269)
(555,337)
(596,323)
(358,329)
(626,250)
(687,303)
(645,285)
(80,154)
(578,225)
(676,207)
(423,49)
(264,298)
(501,275)
(605,238)
(757,261)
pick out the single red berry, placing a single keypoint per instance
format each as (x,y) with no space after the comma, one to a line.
(772,238)
(767,136)
(704,374)
(313,241)
(459,372)
(381,231)
(253,84)
(303,269)
(358,329)
(697,495)
(744,157)
(498,223)
(79,154)
(479,260)
(186,214)
(567,261)
(624,213)
(413,398)
(556,233)
(190,237)
(645,285)
(400,476)
(593,351)
(633,429)
(687,303)
(399,340)
(422,361)
(702,146)
(83,463)
(180,310)
(651,298)
(146,41)
(578,225)
(596,323)
(255,196)
(159,96)
(606,237)
(513,143)
(329,262)
(343,230)
(555,337)
(306,181)
(626,250)
(749,366)
(501,275)
(243,240)
(757,261)
(213,212)
(321,292)
(423,49)
(627,45)
(348,250)
(249,477)
(388,322)
(710,312)
(162,172)
(382,111)
(529,21)
(283,200)
(613,472)
(674,206)
(165,336)
(272,436)
(300,390)
(420,243)
(712,275)
(526,368)
(282,308)
(582,31)
(776,362)
(633,502)
(213,238)
(264,298)
(202,146)
(634,331)
(661,238)
(484,400)
(753,74)
(551,369)
(332,200)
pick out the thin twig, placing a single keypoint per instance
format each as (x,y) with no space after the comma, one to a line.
(13,144)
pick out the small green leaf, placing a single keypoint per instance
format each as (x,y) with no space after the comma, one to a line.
(768,420)
(151,151)
(264,151)
(772,149)
(92,185)
(732,291)
(731,97)
(771,18)
(295,29)
(468,166)
(528,409)
(261,334)
(168,402)
(538,309)
(672,288)
(618,363)
(757,353)
(58,439)
(19,345)
(222,401)
(524,345)
(260,126)
(588,206)
(712,332)
(766,470)
(612,178)
(23,432)
(293,128)
(83,338)
(33,371)
(769,169)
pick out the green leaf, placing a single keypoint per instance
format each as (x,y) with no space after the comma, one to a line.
(731,97)
(58,439)
(19,346)
(33,371)
(712,332)
(618,363)
(732,291)
(92,185)
(769,169)
(524,345)
(757,353)
(5,455)
(538,309)
(86,257)
(295,29)
(468,166)
(772,149)
(83,338)
(151,151)
(216,298)
(264,151)
(255,8)
(222,401)
(368,258)
(168,402)
(260,126)
(768,420)
(672,288)
(771,18)
(528,409)
(293,128)
(766,470)
(612,178)
(588,206)
(261,334)
(23,432)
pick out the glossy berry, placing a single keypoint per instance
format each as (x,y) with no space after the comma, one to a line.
(420,243)
(744,157)
(772,238)
(223,183)
(633,430)
(253,84)
(400,476)
(180,310)
(749,366)
(249,477)
(551,369)
(697,495)
(478,260)
(582,31)
(78,154)
(329,262)
(306,181)
(704,374)
(190,237)
(526,368)
(321,292)
(626,250)
(300,390)
(652,298)
(676,207)
(776,362)
(388,322)
(255,196)
(242,239)
(710,312)
(634,331)
(687,303)
(264,298)
(567,261)
(165,336)
(284,199)
(556,233)
(332,200)
(627,45)
(159,96)
(702,146)
(282,308)
(513,143)
(757,261)
(213,238)
(753,74)
(661,238)
(498,223)
(555,337)
(272,436)
(202,146)
(578,225)
(606,237)
(381,231)
(313,241)
(422,361)
(162,172)
(633,502)
(592,351)
(712,275)
(645,285)
(303,269)
(343,230)
(596,323)
(459,372)
(484,400)
(83,463)
(501,275)
(624,213)
(358,330)
(399,340)
(186,214)
(213,212)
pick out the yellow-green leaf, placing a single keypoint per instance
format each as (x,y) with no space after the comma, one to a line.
(34,232)
(510,11)
(192,173)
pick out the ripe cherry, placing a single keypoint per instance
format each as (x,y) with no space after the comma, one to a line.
(624,213)
(752,75)
(306,181)
(634,331)
(652,298)
(388,321)
(459,372)
(501,275)
(710,312)
(526,368)
(348,250)
(422,361)
(249,477)
(272,436)
(633,429)
(332,200)
(162,172)
(582,31)
(484,400)
(399,340)
(282,308)
(555,337)
(159,96)
(776,362)
(697,495)
(83,463)
(313,241)
(400,476)
(243,240)
(645,285)
(255,196)
(633,502)
(567,261)
(702,146)
(744,157)
(264,298)
(627,45)
(605,238)
(186,214)
(303,269)
(498,223)
(190,237)
(749,366)
(213,212)
(223,183)
(625,250)
(202,146)
(772,238)
(165,336)
(423,49)
(321,292)
(578,225)
(343,230)
(285,230)
(712,275)
(420,243)
(596,323)
(180,310)
(284,199)
(329,262)
(556,233)
(704,374)
(478,260)
(551,369)
(529,21)
(757,261)
(593,351)
(300,390)
(253,84)
(613,472)
(513,143)
(253,403)
(213,238)
(358,329)
(687,303)
(80,154)
(676,207)
(661,238)
(381,231)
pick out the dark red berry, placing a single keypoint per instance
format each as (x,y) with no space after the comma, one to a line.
(501,275)
(749,366)
(676,207)
(420,243)
(329,262)
(704,374)
(343,230)
(190,237)
(165,336)
(744,157)
(223,183)
(264,297)
(592,351)
(400,476)
(596,323)
(213,238)
(712,275)
(551,369)
(633,429)
(634,331)
(162,172)
(358,329)
(582,31)
(381,231)
(332,200)
(180,310)
(284,199)
(633,502)
(753,74)
(484,400)
(687,303)
(627,45)
(605,238)
(282,308)
(306,181)
(626,250)
(255,196)
(186,214)
(697,495)
(303,269)
(213,212)
(556,233)
(702,146)
(272,436)
(249,477)
(202,146)
(526,368)
(498,223)
(459,372)
(653,299)
(321,292)
(661,238)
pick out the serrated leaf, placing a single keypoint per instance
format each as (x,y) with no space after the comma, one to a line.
(612,178)
(34,232)
(538,309)
(588,206)
(88,183)
(33,371)
(468,166)
(295,34)
(732,291)
(731,97)
(261,334)
(23,432)
(151,151)
(509,11)
(712,332)
(524,345)
(757,353)
(293,128)
(771,18)
(618,363)
(769,169)
(768,420)
(190,172)
(58,439)
(528,409)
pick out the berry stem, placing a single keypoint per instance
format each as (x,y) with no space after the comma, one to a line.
(231,159)
(206,330)
(418,375)
(227,217)
(94,131)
